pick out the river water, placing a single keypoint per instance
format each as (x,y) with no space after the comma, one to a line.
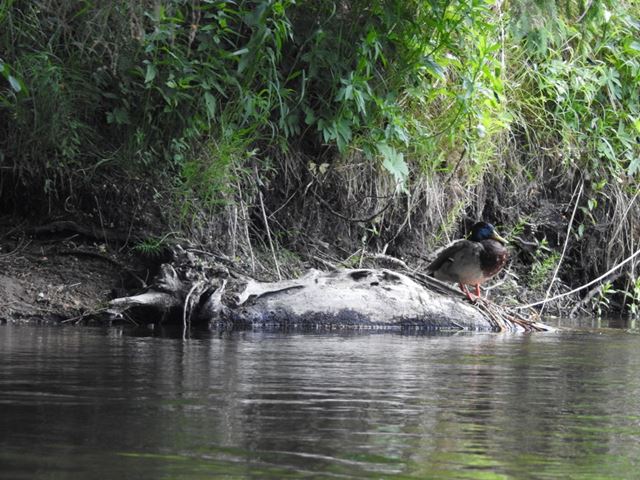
(93,403)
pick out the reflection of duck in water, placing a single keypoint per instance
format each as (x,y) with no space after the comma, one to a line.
(472,261)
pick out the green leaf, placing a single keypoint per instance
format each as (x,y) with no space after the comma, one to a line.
(309,117)
(605,149)
(634,166)
(433,68)
(210,103)
(342,129)
(118,116)
(15,83)
(393,162)
(151,73)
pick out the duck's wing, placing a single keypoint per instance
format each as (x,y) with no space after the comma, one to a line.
(456,260)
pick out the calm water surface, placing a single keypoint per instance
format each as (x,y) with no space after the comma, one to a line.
(90,403)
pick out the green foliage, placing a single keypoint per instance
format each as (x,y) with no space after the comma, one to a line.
(153,246)
(601,302)
(150,85)
(16,84)
(573,93)
(633,298)
(579,81)
(543,267)
(209,178)
(405,82)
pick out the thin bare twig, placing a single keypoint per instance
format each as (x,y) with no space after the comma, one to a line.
(590,294)
(324,262)
(21,246)
(579,19)
(245,223)
(566,242)
(604,275)
(104,232)
(77,319)
(352,220)
(389,259)
(266,226)
(455,169)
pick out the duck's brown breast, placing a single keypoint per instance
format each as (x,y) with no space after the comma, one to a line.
(493,258)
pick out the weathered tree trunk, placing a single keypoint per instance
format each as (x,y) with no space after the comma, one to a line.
(197,290)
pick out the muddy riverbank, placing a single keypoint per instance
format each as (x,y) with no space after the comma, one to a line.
(67,274)
(59,275)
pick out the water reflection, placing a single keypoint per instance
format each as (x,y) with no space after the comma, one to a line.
(617,322)
(93,403)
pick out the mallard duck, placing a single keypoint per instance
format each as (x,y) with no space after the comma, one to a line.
(472,261)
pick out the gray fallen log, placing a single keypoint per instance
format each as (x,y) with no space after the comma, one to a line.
(347,298)
(364,298)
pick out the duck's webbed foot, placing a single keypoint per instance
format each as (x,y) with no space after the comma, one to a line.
(467,293)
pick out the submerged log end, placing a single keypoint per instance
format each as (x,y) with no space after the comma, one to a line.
(157,300)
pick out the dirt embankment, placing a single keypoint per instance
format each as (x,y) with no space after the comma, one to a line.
(59,274)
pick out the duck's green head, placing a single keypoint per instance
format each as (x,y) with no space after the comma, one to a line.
(484,231)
